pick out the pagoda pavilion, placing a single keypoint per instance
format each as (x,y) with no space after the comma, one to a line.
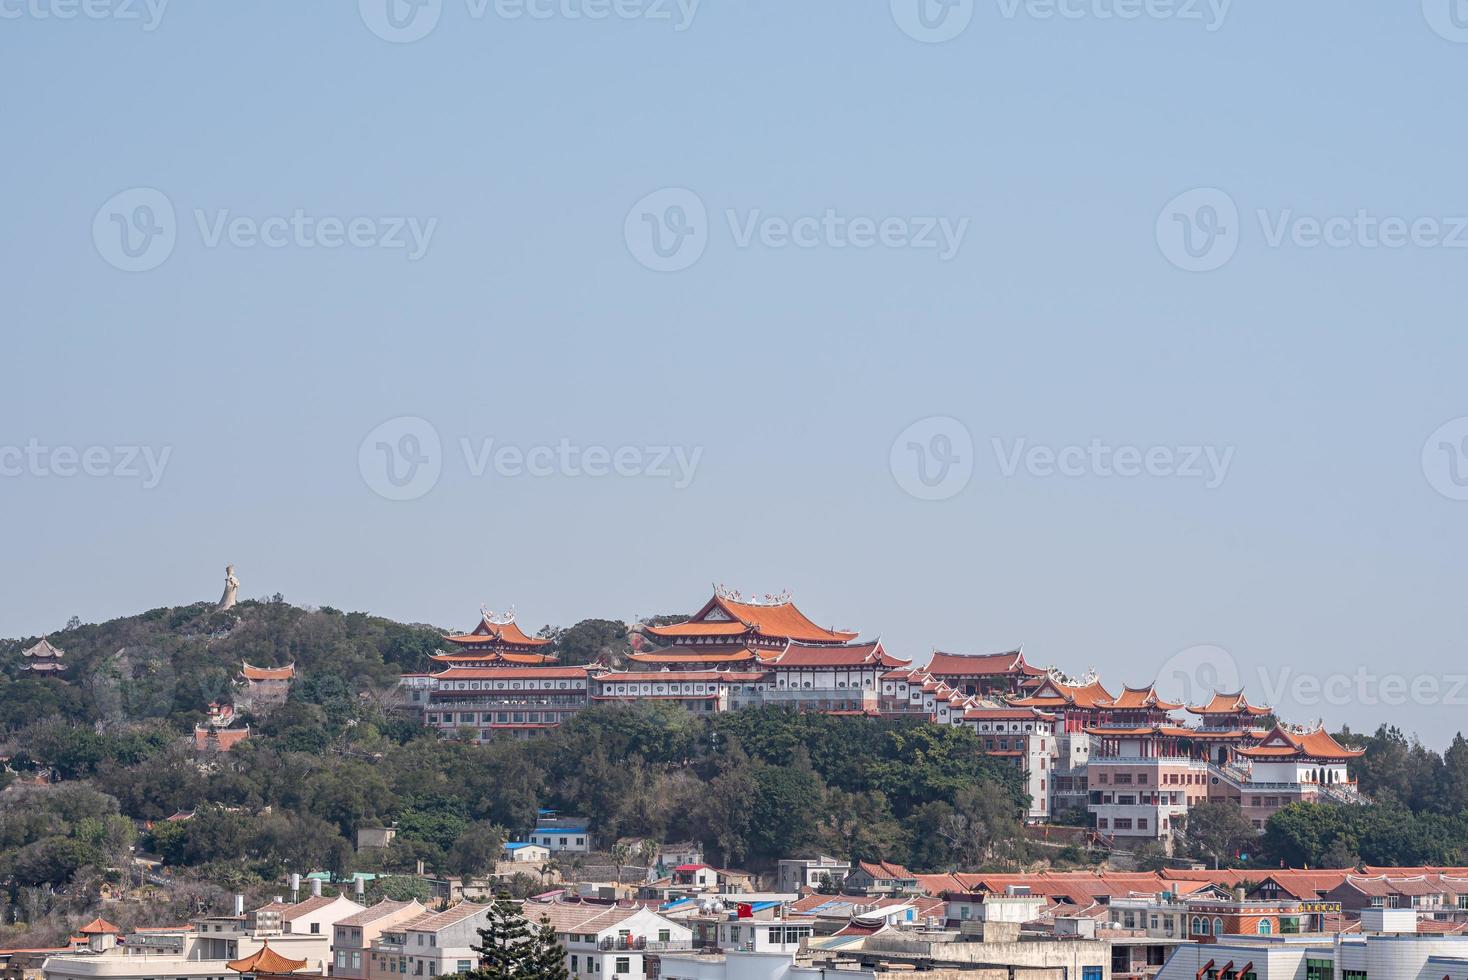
(265,962)
(496,642)
(732,632)
(1308,757)
(1228,711)
(1076,706)
(44,658)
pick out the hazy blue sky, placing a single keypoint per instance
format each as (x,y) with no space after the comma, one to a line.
(1061,310)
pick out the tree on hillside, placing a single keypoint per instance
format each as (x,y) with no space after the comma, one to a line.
(477,849)
(1217,831)
(591,640)
(1150,856)
(510,948)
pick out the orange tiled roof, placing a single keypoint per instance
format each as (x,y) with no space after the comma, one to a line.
(265,960)
(1228,704)
(777,620)
(979,664)
(495,657)
(885,869)
(1138,698)
(222,739)
(252,673)
(507,632)
(1284,744)
(859,655)
(1053,694)
(717,654)
(97,927)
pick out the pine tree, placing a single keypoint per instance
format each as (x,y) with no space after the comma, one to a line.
(510,948)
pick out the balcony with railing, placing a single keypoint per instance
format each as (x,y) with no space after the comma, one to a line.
(642,944)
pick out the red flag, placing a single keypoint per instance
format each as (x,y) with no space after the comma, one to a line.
(746,911)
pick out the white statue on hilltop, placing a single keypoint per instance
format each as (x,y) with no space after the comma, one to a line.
(231,590)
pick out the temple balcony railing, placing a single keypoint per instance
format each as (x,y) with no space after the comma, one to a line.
(1150,760)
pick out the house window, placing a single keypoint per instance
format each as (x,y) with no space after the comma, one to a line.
(624,965)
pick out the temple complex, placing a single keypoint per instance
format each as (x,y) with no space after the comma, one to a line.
(1126,758)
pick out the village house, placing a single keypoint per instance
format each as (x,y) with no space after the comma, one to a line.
(881,878)
(608,941)
(352,937)
(801,873)
(435,943)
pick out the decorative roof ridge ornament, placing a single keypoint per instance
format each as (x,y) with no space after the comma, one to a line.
(497,619)
(768,599)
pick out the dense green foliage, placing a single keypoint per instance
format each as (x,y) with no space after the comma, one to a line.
(340,755)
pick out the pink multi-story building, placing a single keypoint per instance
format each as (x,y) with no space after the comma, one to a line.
(352,938)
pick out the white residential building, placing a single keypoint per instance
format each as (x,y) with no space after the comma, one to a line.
(438,943)
(608,941)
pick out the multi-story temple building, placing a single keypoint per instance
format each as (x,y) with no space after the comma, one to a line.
(263,688)
(519,701)
(734,632)
(496,641)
